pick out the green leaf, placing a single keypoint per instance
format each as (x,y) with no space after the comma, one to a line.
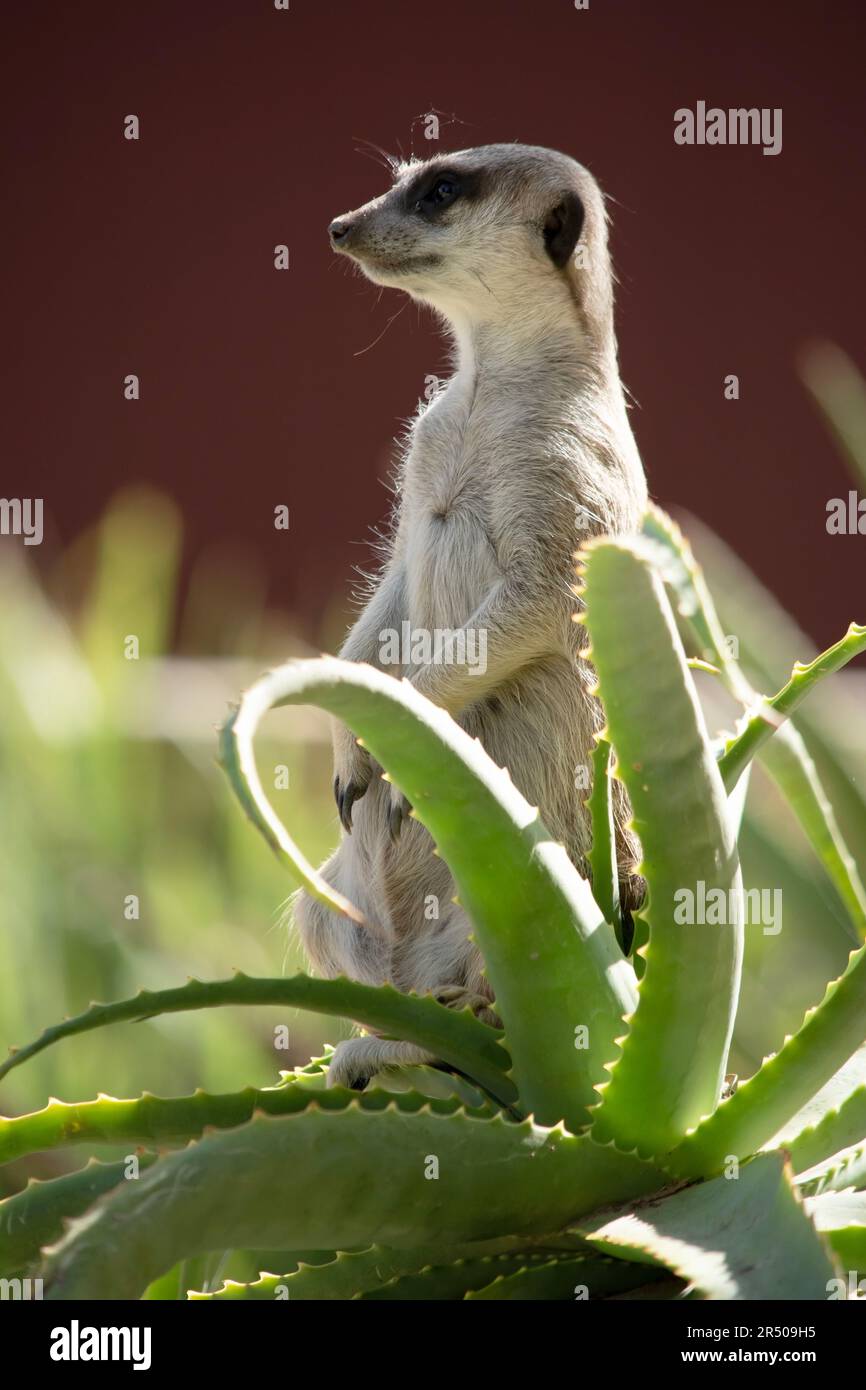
(758,725)
(792,768)
(455,1036)
(535,921)
(839,391)
(320,1178)
(760,1106)
(843,1170)
(350,1274)
(172,1286)
(785,757)
(172,1121)
(602,856)
(574,1280)
(684,580)
(673,1060)
(832,1119)
(36,1216)
(453,1281)
(740,1238)
(841,1218)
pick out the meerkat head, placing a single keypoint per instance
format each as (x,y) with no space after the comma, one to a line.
(486,233)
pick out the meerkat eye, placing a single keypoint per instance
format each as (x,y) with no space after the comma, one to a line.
(442,192)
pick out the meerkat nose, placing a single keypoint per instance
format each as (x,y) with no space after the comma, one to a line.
(339,230)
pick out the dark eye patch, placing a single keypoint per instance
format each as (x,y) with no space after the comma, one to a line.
(431,191)
(443,190)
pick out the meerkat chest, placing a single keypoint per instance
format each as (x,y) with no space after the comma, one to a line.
(446,476)
(451,478)
(449,514)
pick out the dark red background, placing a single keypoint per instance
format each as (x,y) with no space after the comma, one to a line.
(156,257)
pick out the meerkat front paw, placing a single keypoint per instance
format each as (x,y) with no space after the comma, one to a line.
(355,1061)
(349,1066)
(353,772)
(632,891)
(459,997)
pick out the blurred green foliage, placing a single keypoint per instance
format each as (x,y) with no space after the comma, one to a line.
(109,788)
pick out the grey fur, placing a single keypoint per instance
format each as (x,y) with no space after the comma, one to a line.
(525,453)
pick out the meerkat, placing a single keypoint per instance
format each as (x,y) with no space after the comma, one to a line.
(522,455)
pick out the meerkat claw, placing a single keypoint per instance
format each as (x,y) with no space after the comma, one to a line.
(397,813)
(346,797)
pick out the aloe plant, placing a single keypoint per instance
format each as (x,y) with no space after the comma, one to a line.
(591,1147)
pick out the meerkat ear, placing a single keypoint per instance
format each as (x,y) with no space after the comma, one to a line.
(562,228)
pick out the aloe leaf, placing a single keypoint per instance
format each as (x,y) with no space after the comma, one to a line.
(452,1281)
(673,1061)
(829,1035)
(168,1288)
(732,1238)
(785,757)
(455,1036)
(792,768)
(602,855)
(350,1274)
(172,1286)
(552,968)
(380,1273)
(172,1121)
(237,759)
(760,724)
(737,803)
(36,1216)
(767,636)
(842,1171)
(832,1119)
(268,1288)
(320,1178)
(584,1277)
(841,1219)
(658,1291)
(839,391)
(144,1120)
(684,580)
(833,1211)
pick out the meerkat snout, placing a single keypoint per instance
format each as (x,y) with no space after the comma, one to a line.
(339,230)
